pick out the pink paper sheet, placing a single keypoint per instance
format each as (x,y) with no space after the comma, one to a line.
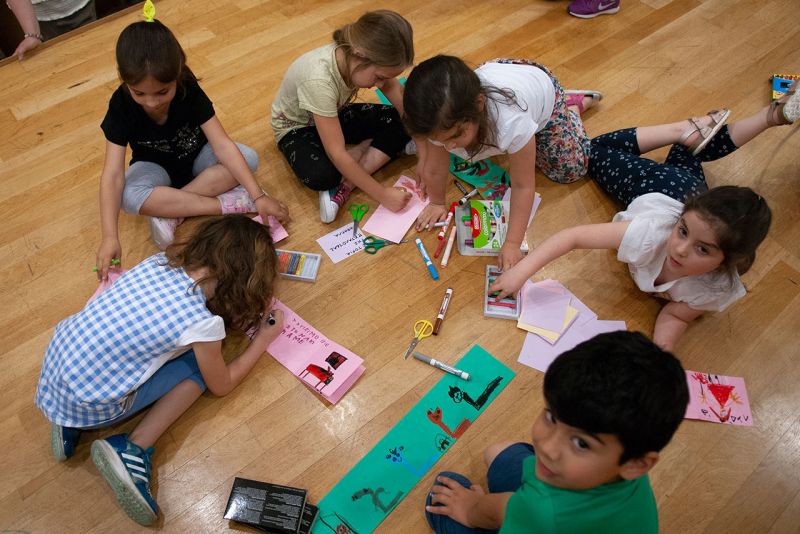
(310,356)
(543,307)
(718,399)
(276,229)
(539,354)
(113,276)
(585,314)
(393,226)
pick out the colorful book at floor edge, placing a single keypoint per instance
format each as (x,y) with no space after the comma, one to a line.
(781,82)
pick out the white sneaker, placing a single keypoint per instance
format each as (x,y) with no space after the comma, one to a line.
(162,230)
(327,207)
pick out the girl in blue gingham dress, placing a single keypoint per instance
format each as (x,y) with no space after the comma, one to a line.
(505,106)
(154,338)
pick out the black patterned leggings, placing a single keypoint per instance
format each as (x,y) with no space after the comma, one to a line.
(615,163)
(303,148)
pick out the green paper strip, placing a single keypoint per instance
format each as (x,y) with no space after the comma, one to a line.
(382,97)
(377,483)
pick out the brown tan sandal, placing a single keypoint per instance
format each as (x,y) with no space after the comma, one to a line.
(787,108)
(718,119)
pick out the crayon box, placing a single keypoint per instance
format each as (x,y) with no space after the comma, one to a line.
(506,308)
(781,82)
(296,265)
(482,226)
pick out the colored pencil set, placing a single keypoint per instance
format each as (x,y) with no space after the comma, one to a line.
(505,308)
(298,265)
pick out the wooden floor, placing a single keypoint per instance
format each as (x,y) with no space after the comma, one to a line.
(656,61)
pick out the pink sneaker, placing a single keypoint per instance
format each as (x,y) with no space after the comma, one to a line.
(342,194)
(162,230)
(237,200)
(331,200)
(587,9)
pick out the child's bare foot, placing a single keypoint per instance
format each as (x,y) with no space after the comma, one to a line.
(358,151)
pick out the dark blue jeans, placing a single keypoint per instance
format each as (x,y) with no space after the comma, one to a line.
(169,375)
(615,163)
(505,475)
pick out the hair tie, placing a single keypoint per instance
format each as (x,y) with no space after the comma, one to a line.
(149,11)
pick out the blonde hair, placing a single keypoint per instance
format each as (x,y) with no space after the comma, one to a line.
(382,38)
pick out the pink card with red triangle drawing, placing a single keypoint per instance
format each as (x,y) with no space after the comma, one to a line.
(718,399)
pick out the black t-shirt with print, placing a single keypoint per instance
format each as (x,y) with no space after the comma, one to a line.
(173,145)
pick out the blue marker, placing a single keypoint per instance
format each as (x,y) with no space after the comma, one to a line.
(427,259)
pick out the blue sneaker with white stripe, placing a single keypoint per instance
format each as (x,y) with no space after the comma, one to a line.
(126,468)
(63,441)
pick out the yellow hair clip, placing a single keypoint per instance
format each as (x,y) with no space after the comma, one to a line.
(149,11)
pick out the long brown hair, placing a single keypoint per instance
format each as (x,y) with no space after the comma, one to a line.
(740,218)
(240,259)
(444,91)
(382,38)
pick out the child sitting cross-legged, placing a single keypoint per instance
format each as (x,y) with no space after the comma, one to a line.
(611,404)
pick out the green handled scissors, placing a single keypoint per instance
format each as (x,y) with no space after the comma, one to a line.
(357,211)
(372,245)
(422,329)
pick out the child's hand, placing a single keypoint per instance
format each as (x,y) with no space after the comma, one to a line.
(109,250)
(431,214)
(269,206)
(454,500)
(395,198)
(422,189)
(267,333)
(508,283)
(510,255)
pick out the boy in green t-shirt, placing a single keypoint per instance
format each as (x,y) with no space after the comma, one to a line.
(611,404)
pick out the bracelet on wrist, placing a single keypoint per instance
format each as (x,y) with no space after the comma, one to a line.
(263,194)
(35,36)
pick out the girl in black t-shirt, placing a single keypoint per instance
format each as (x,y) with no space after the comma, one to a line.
(183,163)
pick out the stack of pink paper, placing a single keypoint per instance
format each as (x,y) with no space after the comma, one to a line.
(556,321)
(326,367)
